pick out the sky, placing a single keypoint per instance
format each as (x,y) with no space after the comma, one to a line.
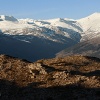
(48,9)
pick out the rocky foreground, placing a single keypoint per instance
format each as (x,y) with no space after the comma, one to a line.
(69,78)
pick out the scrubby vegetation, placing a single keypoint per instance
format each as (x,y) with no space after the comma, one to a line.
(69,78)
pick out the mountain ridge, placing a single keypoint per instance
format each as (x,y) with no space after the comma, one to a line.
(52,35)
(90,47)
(82,26)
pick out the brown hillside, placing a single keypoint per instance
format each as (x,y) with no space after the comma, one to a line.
(69,78)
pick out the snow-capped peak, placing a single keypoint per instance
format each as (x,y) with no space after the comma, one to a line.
(95,14)
(7,18)
(49,29)
(91,22)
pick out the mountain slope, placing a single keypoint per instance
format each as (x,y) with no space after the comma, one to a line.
(90,22)
(73,77)
(90,26)
(90,47)
(31,49)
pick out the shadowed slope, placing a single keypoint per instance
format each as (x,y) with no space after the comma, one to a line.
(33,48)
(90,48)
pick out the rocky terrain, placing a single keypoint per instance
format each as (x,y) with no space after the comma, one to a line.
(69,78)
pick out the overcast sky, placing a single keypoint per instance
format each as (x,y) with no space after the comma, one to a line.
(47,9)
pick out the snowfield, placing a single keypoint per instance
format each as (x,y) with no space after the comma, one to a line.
(87,27)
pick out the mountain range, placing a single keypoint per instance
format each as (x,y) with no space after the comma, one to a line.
(36,39)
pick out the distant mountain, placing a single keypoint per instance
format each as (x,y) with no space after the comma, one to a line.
(68,78)
(36,39)
(90,47)
(8,18)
